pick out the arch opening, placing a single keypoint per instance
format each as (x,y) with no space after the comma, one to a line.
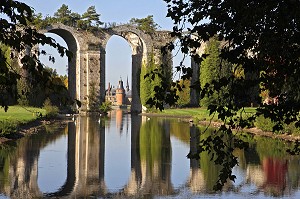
(64,66)
(61,63)
(188,96)
(129,95)
(118,60)
(56,66)
(179,57)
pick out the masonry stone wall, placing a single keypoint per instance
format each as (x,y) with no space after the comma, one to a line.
(87,67)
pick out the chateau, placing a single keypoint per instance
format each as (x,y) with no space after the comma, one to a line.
(119,96)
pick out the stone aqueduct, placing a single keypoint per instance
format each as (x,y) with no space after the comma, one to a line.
(87,67)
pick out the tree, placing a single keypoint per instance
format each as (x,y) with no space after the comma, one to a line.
(154,77)
(146,24)
(263,38)
(51,71)
(213,68)
(88,21)
(145,85)
(94,99)
(74,17)
(64,79)
(63,15)
(254,32)
(38,20)
(21,38)
(7,95)
(90,18)
(184,94)
(62,12)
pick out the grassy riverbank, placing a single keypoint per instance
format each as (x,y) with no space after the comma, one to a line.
(202,115)
(16,116)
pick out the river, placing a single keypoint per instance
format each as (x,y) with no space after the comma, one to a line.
(126,156)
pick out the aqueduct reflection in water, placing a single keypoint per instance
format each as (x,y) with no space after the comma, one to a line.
(154,164)
(150,173)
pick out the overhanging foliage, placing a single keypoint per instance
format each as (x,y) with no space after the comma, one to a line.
(262,39)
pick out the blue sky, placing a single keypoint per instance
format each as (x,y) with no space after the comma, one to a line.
(119,11)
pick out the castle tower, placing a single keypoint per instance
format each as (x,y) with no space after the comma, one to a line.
(120,93)
(108,89)
(127,85)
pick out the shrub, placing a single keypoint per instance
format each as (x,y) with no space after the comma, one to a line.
(7,127)
(105,107)
(291,129)
(197,120)
(51,111)
(265,124)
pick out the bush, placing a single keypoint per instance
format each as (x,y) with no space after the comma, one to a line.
(105,107)
(7,127)
(291,129)
(51,111)
(264,124)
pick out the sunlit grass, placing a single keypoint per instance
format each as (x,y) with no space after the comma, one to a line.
(17,115)
(186,111)
(201,113)
(20,114)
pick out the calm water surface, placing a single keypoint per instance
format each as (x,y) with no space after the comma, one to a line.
(126,156)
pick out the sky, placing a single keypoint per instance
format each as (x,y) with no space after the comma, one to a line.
(119,11)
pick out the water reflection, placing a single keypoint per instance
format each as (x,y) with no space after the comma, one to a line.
(117,151)
(52,167)
(131,156)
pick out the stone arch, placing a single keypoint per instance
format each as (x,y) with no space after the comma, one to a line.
(194,91)
(141,45)
(133,36)
(68,34)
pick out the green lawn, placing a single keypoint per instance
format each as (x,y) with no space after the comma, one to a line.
(20,114)
(199,113)
(186,111)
